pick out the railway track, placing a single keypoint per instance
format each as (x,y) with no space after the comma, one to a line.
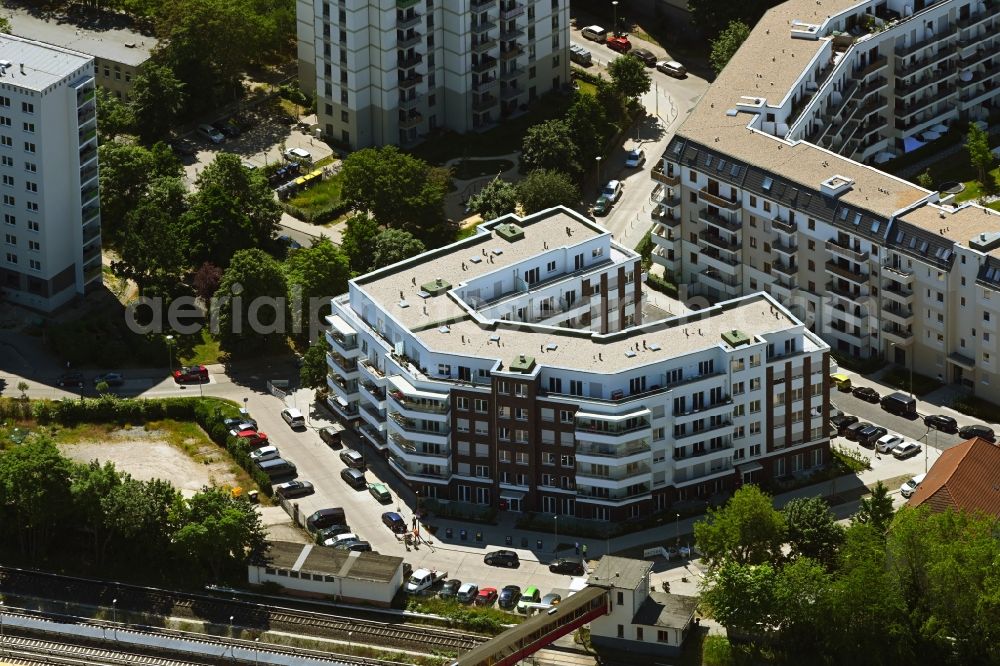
(21,650)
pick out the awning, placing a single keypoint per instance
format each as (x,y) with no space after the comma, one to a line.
(940,128)
(511,495)
(408,389)
(930,135)
(341,401)
(964,361)
(341,326)
(613,418)
(749,467)
(911,143)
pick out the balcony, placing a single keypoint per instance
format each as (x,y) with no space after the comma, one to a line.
(87,136)
(714,199)
(84,95)
(343,408)
(610,427)
(374,390)
(976,19)
(346,367)
(411,451)
(425,429)
(611,452)
(943,93)
(784,226)
(899,293)
(410,61)
(843,250)
(787,249)
(343,338)
(87,154)
(407,40)
(481,5)
(412,119)
(855,276)
(346,389)
(714,258)
(86,116)
(88,175)
(616,476)
(789,268)
(511,11)
(729,223)
(485,103)
(89,194)
(897,336)
(511,73)
(510,52)
(90,213)
(407,21)
(872,67)
(940,59)
(484,45)
(899,275)
(613,497)
(718,241)
(845,293)
(372,372)
(374,416)
(484,65)
(672,180)
(900,315)
(412,472)
(410,81)
(90,234)
(483,26)
(406,4)
(377,438)
(717,280)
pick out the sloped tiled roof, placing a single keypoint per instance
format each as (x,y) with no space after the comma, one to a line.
(965,477)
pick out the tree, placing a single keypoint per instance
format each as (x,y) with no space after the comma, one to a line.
(127,171)
(588,124)
(726,43)
(812,530)
(543,189)
(393,246)
(5,26)
(233,209)
(398,189)
(358,241)
(319,273)
(977,143)
(23,387)
(157,97)
(741,596)
(114,117)
(610,99)
(802,597)
(925,180)
(34,494)
(550,145)
(497,199)
(253,283)
(312,374)
(629,77)
(712,16)
(150,250)
(217,531)
(206,280)
(747,530)
(876,509)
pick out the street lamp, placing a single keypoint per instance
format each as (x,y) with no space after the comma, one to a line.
(170,353)
(555,526)
(114,616)
(614,26)
(232,629)
(677,529)
(2,639)
(598,158)
(910,358)
(256,651)
(927,444)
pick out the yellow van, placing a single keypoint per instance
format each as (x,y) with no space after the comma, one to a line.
(842,382)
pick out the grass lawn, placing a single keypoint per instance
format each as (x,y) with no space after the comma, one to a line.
(204,351)
(587,87)
(319,197)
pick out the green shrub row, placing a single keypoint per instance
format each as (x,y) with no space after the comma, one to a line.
(661,285)
(208,413)
(320,215)
(977,408)
(898,378)
(483,620)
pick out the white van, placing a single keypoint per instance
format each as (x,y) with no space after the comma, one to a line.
(595,33)
(294,418)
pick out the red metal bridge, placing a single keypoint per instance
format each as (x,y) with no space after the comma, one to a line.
(536,632)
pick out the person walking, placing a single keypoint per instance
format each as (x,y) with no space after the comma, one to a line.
(576,547)
(584,551)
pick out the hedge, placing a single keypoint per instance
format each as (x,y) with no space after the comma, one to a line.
(320,215)
(208,413)
(659,284)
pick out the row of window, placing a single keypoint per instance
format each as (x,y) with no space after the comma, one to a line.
(8,142)
(26,107)
(29,186)
(11,220)
(8,161)
(10,200)
(25,126)
(33,264)
(11,239)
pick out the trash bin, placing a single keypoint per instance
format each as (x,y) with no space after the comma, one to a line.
(447,532)
(463,535)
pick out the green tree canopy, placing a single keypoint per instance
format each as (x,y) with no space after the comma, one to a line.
(34,494)
(588,124)
(629,76)
(550,145)
(321,272)
(217,531)
(543,189)
(812,530)
(114,117)
(233,209)
(126,174)
(977,143)
(747,530)
(742,596)
(156,99)
(726,43)
(312,374)
(392,246)
(151,251)
(876,509)
(497,199)
(358,241)
(712,16)
(253,283)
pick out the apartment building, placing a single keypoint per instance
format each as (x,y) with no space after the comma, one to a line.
(51,244)
(516,368)
(391,71)
(772,183)
(119,53)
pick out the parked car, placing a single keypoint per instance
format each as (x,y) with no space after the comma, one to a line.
(294,418)
(110,378)
(852,431)
(970,431)
(265,453)
(331,435)
(900,404)
(866,393)
(487,596)
(910,487)
(239,423)
(355,478)
(613,190)
(380,492)
(394,522)
(253,438)
(291,489)
(346,538)
(206,131)
(941,422)
(298,155)
(70,379)
(226,129)
(509,597)
(531,595)
(183,148)
(450,588)
(842,382)
(841,422)
(645,55)
(191,374)
(332,531)
(551,599)
(906,450)
(635,158)
(352,458)
(569,566)
(672,68)
(602,206)
(595,33)
(619,43)
(502,558)
(467,592)
(326,518)
(580,55)
(886,443)
(355,546)
(869,436)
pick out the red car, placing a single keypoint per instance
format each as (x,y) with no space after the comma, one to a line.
(252,437)
(619,43)
(191,374)
(487,596)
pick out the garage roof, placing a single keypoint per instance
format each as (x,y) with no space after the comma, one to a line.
(315,559)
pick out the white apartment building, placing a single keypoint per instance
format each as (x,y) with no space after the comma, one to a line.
(51,243)
(391,71)
(515,368)
(772,182)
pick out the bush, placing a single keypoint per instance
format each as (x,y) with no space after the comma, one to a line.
(899,378)
(483,620)
(661,285)
(294,94)
(645,250)
(850,459)
(716,651)
(976,408)
(208,413)
(319,215)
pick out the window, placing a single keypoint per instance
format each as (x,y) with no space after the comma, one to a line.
(11,258)
(34,246)
(566,461)
(503,455)
(565,416)
(521,390)
(29,147)
(27,107)
(9,219)
(9,200)
(481,406)
(462,404)
(8,180)
(502,387)
(10,239)
(483,471)
(522,458)
(5,102)
(35,264)
(7,141)
(30,167)
(28,127)
(551,267)
(755,384)
(30,186)
(462,425)
(548,414)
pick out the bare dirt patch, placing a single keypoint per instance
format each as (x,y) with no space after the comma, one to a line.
(146,456)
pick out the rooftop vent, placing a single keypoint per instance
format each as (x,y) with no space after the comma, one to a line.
(735,338)
(836,185)
(803,30)
(510,232)
(985,242)
(436,287)
(523,364)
